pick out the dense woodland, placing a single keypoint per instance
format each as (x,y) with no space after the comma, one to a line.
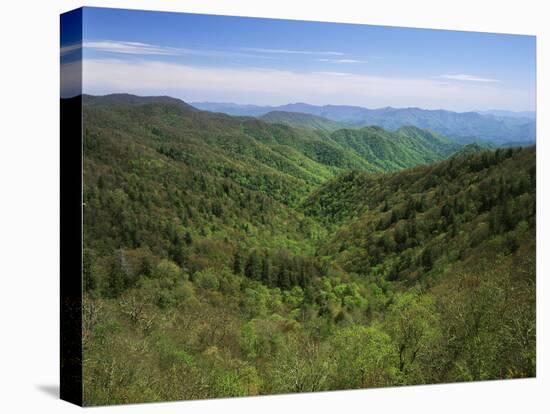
(228,256)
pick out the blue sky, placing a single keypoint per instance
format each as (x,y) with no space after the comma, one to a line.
(267,61)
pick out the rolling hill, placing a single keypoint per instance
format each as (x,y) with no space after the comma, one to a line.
(302,120)
(458,203)
(404,148)
(258,155)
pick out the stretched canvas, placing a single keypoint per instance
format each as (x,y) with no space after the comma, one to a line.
(256,206)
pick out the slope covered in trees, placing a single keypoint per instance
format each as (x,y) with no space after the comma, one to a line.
(273,158)
(227,256)
(404,224)
(389,151)
(301,120)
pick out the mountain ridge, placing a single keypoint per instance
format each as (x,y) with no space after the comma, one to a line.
(306,154)
(302,120)
(464,127)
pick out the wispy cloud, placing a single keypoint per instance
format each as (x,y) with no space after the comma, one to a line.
(469,78)
(276,86)
(70,48)
(145,49)
(292,52)
(342,60)
(71,79)
(131,48)
(334,73)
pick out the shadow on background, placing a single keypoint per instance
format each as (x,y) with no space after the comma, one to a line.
(50,389)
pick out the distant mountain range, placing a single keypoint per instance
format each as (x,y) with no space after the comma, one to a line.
(496,127)
(510,114)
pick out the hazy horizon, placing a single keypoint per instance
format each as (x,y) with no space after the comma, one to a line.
(359,106)
(189,102)
(271,62)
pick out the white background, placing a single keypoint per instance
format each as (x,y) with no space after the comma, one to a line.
(29,206)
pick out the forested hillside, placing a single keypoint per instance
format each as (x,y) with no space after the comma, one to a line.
(300,120)
(404,224)
(227,256)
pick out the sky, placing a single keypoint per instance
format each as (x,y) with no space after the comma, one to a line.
(212,58)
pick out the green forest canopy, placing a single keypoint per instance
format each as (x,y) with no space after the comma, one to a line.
(226,256)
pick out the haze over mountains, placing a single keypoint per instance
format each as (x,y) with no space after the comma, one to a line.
(499,128)
(510,114)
